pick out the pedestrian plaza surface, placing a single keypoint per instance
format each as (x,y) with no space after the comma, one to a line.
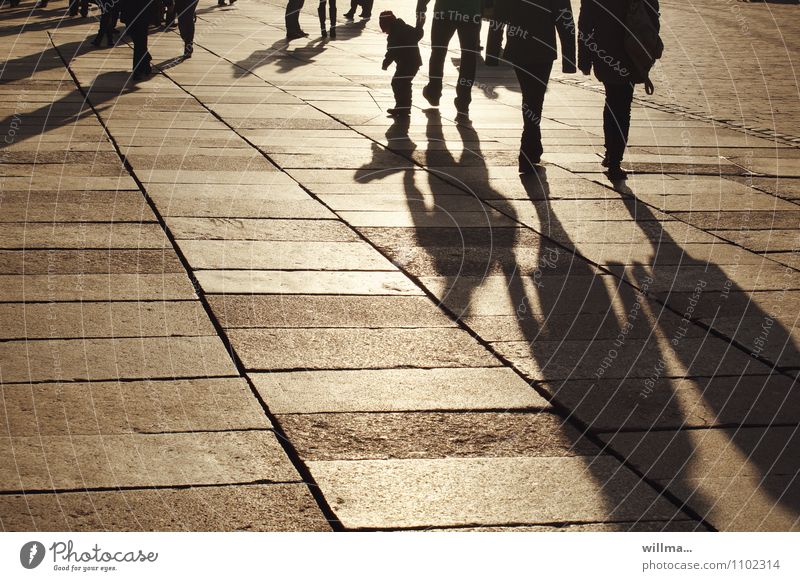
(237,296)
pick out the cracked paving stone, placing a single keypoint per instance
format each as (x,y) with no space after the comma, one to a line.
(381,436)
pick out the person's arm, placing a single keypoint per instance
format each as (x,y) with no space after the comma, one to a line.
(422,9)
(390,54)
(585,30)
(565,25)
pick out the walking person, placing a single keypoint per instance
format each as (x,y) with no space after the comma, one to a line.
(496,12)
(403,50)
(136,14)
(450,17)
(185,10)
(601,46)
(366,9)
(531,49)
(109,14)
(331,4)
(293,30)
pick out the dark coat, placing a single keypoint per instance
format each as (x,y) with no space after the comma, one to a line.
(601,39)
(531,31)
(403,46)
(131,10)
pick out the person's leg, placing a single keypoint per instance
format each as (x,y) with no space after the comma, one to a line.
(494,43)
(469,37)
(186,10)
(332,16)
(137,30)
(401,85)
(617,121)
(321,9)
(293,8)
(442,30)
(533,81)
(366,8)
(350,14)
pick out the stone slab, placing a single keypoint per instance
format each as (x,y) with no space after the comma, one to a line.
(142,460)
(89,262)
(103,319)
(109,359)
(357,349)
(85,235)
(392,390)
(258,229)
(270,507)
(110,408)
(376,494)
(383,436)
(95,287)
(313,311)
(304,282)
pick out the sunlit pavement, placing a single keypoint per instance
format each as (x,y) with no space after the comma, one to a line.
(237,296)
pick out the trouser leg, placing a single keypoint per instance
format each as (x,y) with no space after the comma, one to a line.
(293,8)
(617,120)
(442,31)
(401,85)
(533,81)
(469,37)
(186,10)
(494,42)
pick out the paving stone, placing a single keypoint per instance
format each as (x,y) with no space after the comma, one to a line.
(244,208)
(87,235)
(95,287)
(103,319)
(387,390)
(434,219)
(357,348)
(107,359)
(273,255)
(495,238)
(75,206)
(310,311)
(600,359)
(271,507)
(142,460)
(484,491)
(110,408)
(608,405)
(89,262)
(304,282)
(379,436)
(763,240)
(734,220)
(256,229)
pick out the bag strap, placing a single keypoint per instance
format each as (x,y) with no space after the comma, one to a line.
(648,86)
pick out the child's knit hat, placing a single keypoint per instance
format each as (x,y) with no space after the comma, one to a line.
(386,20)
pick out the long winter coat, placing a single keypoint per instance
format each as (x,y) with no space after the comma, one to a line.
(601,39)
(531,31)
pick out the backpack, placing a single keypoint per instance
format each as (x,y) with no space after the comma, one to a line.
(642,42)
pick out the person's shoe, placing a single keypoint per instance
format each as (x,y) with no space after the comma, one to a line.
(41,4)
(333,32)
(85,12)
(231,2)
(72,11)
(220,2)
(324,33)
(14,3)
(616,173)
(366,15)
(349,15)
(98,40)
(188,49)
(529,165)
(430,96)
(399,112)
(295,34)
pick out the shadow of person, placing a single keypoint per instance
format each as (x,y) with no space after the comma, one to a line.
(286,57)
(728,367)
(21,68)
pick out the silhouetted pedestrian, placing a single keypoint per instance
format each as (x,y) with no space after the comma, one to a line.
(495,11)
(293,30)
(403,50)
(331,4)
(462,17)
(137,14)
(81,6)
(185,10)
(109,14)
(531,49)
(601,45)
(366,9)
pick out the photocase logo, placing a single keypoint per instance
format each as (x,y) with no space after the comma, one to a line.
(31,554)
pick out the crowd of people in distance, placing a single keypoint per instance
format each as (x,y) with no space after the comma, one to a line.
(617,39)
